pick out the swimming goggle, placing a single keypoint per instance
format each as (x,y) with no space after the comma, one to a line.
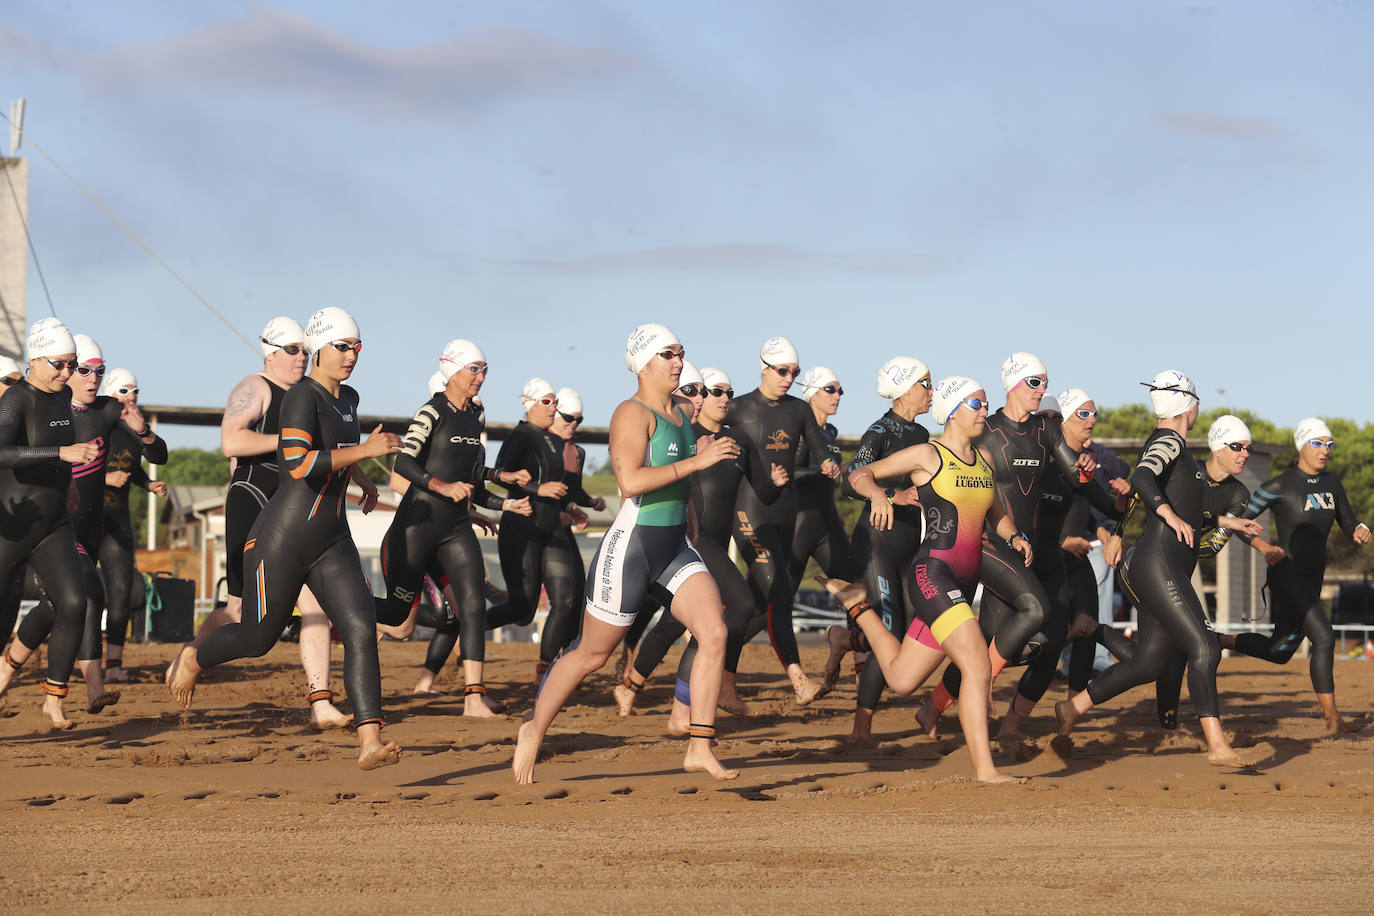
(58,365)
(570,418)
(125,391)
(974,404)
(726,393)
(1035,381)
(87,370)
(288,349)
(1084,413)
(833,389)
(1322,443)
(679,353)
(1237,447)
(783,371)
(344,346)
(691,390)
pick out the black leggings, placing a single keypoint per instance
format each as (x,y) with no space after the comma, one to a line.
(884,556)
(1083,599)
(1169,684)
(243,503)
(273,583)
(416,548)
(1014,620)
(1041,668)
(1173,623)
(117,575)
(56,563)
(739,610)
(764,548)
(1297,612)
(819,533)
(533,557)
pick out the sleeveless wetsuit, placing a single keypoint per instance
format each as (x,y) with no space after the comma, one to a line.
(251,486)
(646,547)
(302,538)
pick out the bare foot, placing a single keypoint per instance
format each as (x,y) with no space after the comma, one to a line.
(1227,757)
(475,705)
(53,707)
(700,760)
(847,593)
(1064,712)
(732,704)
(1083,624)
(381,755)
(623,663)
(1338,725)
(840,642)
(679,719)
(996,778)
(324,715)
(106,698)
(526,751)
(928,717)
(806,690)
(1011,727)
(116,675)
(172,666)
(187,673)
(624,699)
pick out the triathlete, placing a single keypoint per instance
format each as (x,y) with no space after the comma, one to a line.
(123,470)
(1305,500)
(302,537)
(248,434)
(441,458)
(573,518)
(712,493)
(819,532)
(1157,570)
(691,387)
(777,422)
(653,450)
(1058,497)
(888,532)
(94,419)
(959,499)
(530,559)
(38,448)
(1021,447)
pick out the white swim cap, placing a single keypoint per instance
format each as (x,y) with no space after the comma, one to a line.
(1070,400)
(644,341)
(777,351)
(87,350)
(1050,404)
(898,374)
(278,333)
(949,394)
(715,378)
(689,376)
(9,366)
(1171,393)
(436,383)
(569,401)
(116,379)
(327,325)
(1020,366)
(1309,429)
(816,378)
(49,337)
(1226,429)
(535,389)
(457,354)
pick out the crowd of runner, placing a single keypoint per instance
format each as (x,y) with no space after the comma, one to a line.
(1013,499)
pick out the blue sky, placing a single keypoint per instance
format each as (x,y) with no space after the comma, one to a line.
(1119,188)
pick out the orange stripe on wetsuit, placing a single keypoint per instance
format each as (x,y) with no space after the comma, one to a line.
(299,458)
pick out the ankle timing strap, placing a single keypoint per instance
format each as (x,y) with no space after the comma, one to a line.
(701,731)
(857,611)
(9,660)
(470,689)
(632,685)
(54,689)
(316,696)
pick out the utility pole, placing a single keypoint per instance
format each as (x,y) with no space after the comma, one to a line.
(14,247)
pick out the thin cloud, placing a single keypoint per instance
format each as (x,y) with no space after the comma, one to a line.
(1219,127)
(277,52)
(741,257)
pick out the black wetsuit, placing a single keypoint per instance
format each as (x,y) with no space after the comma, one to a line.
(95,423)
(442,443)
(1084,520)
(253,483)
(535,551)
(819,532)
(116,554)
(882,558)
(34,526)
(764,532)
(713,493)
(1156,573)
(302,538)
(1019,600)
(1304,507)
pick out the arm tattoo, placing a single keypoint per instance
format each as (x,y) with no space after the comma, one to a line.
(243,399)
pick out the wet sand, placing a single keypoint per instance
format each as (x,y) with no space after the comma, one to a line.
(236,805)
